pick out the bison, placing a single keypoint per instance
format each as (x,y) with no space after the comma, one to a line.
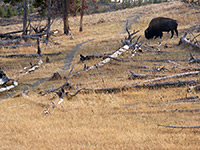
(159,25)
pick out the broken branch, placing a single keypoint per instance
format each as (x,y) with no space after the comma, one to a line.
(182,127)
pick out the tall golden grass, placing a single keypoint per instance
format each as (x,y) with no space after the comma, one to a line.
(125,120)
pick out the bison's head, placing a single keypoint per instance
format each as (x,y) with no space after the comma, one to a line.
(147,34)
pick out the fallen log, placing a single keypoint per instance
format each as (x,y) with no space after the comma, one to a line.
(182,127)
(166,77)
(6,83)
(194,88)
(190,69)
(29,55)
(3,35)
(88,57)
(18,45)
(32,68)
(134,76)
(137,76)
(106,90)
(141,84)
(150,85)
(188,42)
(160,60)
(161,111)
(9,41)
(32,36)
(193,60)
(168,83)
(185,100)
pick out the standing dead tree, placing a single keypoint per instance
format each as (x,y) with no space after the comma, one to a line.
(73,7)
(25,14)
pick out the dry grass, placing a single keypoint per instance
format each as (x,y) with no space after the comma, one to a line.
(103,121)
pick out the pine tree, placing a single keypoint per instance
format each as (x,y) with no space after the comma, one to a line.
(2,11)
(15,13)
(151,1)
(9,12)
(139,2)
(31,8)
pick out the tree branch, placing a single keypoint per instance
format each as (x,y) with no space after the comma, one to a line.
(182,127)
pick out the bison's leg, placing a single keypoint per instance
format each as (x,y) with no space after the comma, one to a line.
(172,32)
(176,32)
(161,34)
(158,34)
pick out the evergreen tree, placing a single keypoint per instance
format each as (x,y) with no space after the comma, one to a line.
(145,2)
(139,2)
(9,12)
(31,8)
(12,2)
(15,13)
(116,5)
(151,1)
(2,11)
(20,12)
(155,1)
(134,3)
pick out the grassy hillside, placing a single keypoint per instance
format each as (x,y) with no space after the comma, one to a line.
(123,120)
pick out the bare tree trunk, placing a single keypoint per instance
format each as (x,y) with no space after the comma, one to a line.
(25,12)
(65,16)
(48,21)
(82,13)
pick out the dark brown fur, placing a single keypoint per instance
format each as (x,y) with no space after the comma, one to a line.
(159,25)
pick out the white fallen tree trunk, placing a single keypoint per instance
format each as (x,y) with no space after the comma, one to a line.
(105,61)
(188,42)
(114,55)
(165,77)
(6,83)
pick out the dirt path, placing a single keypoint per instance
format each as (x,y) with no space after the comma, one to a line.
(67,63)
(69,57)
